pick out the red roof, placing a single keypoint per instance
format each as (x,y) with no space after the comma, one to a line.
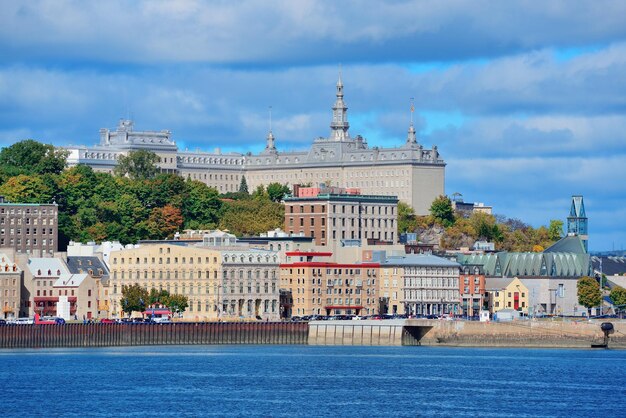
(328,264)
(307,253)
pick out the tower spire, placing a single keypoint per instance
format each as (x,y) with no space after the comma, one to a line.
(411,138)
(339,125)
(270,145)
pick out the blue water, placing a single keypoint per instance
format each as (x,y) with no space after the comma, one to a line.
(312,381)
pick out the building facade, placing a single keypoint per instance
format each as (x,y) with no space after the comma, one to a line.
(10,287)
(328,288)
(472,289)
(331,217)
(29,228)
(409,171)
(221,280)
(425,284)
(505,293)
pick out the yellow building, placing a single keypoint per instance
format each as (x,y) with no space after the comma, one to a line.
(220,278)
(505,293)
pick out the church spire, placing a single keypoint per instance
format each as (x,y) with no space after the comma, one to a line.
(339,125)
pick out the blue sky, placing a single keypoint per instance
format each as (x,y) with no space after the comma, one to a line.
(525,100)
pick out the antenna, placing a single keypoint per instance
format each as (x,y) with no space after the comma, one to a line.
(270,112)
(412,109)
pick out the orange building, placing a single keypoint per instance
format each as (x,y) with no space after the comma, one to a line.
(328,288)
(472,289)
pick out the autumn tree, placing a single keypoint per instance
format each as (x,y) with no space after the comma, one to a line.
(441,210)
(618,296)
(164,222)
(134,298)
(589,294)
(140,164)
(26,189)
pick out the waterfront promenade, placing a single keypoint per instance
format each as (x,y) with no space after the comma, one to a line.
(398,332)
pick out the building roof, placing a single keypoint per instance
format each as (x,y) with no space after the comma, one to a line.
(83,264)
(420,260)
(40,266)
(552,264)
(611,266)
(70,280)
(569,244)
(7,265)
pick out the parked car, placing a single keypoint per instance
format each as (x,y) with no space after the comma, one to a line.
(3,322)
(24,321)
(107,321)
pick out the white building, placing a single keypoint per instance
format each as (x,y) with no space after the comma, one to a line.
(409,171)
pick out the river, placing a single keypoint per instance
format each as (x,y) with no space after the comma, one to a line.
(311,381)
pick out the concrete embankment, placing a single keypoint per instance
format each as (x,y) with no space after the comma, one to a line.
(534,333)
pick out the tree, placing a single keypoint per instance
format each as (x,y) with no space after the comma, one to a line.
(164,222)
(243,185)
(137,165)
(177,303)
(589,294)
(134,298)
(406,218)
(32,157)
(555,230)
(618,296)
(277,191)
(158,296)
(441,210)
(202,206)
(26,189)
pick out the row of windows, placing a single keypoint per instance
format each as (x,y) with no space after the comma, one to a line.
(18,231)
(27,221)
(334,271)
(27,211)
(168,260)
(27,242)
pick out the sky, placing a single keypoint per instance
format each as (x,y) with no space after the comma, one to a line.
(526,100)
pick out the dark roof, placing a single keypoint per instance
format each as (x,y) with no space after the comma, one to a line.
(83,264)
(569,244)
(611,266)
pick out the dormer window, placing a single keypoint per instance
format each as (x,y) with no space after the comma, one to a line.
(39,272)
(49,272)
(58,272)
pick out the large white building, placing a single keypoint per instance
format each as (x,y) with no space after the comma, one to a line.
(409,171)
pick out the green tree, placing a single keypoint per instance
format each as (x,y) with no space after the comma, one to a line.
(140,164)
(441,210)
(406,218)
(555,230)
(243,185)
(277,191)
(32,157)
(157,296)
(260,193)
(202,206)
(177,303)
(589,294)
(134,298)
